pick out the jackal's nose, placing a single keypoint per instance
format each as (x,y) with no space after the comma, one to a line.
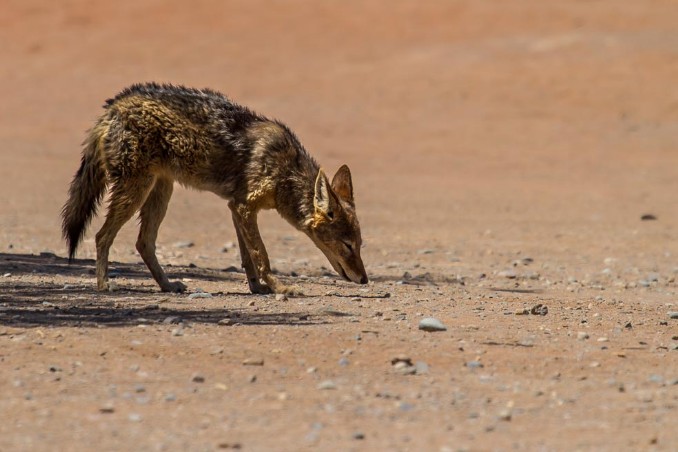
(363,279)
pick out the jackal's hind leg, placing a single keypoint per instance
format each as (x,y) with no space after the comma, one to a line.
(151,215)
(125,199)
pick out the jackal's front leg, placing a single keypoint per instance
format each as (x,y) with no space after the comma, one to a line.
(253,252)
(252,276)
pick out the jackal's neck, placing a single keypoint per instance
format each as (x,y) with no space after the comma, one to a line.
(295,192)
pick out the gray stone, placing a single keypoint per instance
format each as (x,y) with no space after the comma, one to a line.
(195,295)
(654,378)
(474,365)
(431,324)
(421,368)
(673,314)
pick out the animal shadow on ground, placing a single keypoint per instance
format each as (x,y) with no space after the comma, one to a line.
(30,304)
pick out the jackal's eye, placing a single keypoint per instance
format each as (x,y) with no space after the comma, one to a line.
(348,246)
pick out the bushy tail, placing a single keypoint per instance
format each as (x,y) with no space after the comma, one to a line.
(86,191)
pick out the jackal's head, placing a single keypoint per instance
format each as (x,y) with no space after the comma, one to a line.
(335,228)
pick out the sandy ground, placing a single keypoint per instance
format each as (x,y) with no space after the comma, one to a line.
(503,155)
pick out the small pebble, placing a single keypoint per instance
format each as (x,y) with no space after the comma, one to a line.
(170,397)
(108,408)
(178,332)
(358,435)
(327,384)
(226,321)
(505,415)
(199,295)
(280,297)
(673,314)
(402,368)
(184,244)
(539,309)
(404,406)
(226,445)
(401,359)
(582,335)
(171,320)
(197,378)
(510,274)
(431,324)
(654,378)
(474,365)
(253,362)
(421,368)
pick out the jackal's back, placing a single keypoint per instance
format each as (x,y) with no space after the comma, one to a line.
(197,137)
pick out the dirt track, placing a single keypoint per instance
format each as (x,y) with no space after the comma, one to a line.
(503,155)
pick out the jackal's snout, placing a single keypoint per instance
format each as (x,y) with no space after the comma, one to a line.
(352,269)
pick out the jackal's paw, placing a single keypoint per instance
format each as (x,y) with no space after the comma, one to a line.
(174,287)
(107,286)
(260,289)
(290,291)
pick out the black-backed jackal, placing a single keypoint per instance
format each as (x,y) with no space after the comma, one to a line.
(151,135)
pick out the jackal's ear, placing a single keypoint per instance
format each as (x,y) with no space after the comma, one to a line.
(343,185)
(324,199)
